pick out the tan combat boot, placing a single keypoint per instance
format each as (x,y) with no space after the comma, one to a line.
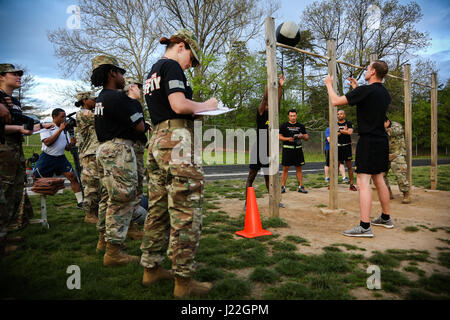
(155,274)
(101,244)
(91,218)
(185,287)
(114,256)
(133,232)
(406,197)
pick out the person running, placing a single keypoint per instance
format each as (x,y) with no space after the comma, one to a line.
(372,151)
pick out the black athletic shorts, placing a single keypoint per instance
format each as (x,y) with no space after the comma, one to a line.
(292,157)
(327,158)
(345,153)
(372,154)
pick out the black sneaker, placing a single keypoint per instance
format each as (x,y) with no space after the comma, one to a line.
(283,189)
(302,189)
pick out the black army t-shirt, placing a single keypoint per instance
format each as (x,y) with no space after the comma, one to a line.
(165,78)
(371,102)
(116,115)
(288,130)
(344,138)
(14,137)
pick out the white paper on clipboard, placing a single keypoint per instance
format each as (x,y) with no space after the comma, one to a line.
(220,110)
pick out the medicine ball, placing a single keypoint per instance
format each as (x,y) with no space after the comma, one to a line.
(288,33)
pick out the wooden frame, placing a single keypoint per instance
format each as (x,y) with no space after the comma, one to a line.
(274,187)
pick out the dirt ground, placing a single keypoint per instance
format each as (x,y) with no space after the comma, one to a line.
(307,219)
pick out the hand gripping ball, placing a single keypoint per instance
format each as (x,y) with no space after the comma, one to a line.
(288,33)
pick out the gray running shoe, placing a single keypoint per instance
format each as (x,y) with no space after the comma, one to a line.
(302,189)
(359,232)
(282,205)
(383,223)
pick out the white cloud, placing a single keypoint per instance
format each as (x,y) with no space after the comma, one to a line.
(51,93)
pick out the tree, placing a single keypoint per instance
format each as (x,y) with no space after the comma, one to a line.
(124,29)
(394,40)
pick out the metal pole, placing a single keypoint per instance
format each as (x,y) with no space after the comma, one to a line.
(332,115)
(274,151)
(434,132)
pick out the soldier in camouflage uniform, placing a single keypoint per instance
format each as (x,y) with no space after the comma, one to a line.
(397,161)
(12,160)
(175,182)
(118,124)
(87,145)
(133,89)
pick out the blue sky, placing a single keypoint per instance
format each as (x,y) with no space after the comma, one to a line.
(24,25)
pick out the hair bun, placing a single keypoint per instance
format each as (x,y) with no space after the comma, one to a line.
(164,40)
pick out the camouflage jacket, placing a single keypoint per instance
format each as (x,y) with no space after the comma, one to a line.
(85,133)
(397,146)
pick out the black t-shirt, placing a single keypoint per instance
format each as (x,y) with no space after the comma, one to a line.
(142,137)
(262,128)
(165,78)
(288,130)
(14,137)
(116,115)
(371,102)
(344,138)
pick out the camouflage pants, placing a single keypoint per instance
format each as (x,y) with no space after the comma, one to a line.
(91,184)
(399,167)
(12,179)
(139,149)
(118,176)
(24,214)
(175,203)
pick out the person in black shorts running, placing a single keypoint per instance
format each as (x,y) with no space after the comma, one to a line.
(345,130)
(372,151)
(261,147)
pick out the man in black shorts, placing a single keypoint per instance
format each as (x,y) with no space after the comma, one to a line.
(292,133)
(345,130)
(259,155)
(372,151)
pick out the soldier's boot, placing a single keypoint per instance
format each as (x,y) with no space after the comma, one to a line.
(91,218)
(114,256)
(152,275)
(101,244)
(185,287)
(406,197)
(133,232)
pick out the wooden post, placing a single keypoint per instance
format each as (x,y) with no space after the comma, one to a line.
(332,115)
(274,149)
(408,123)
(434,132)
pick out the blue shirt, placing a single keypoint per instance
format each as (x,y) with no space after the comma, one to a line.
(327,134)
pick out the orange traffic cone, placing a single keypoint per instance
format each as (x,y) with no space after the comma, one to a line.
(253,227)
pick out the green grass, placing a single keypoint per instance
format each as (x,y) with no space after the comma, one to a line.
(234,264)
